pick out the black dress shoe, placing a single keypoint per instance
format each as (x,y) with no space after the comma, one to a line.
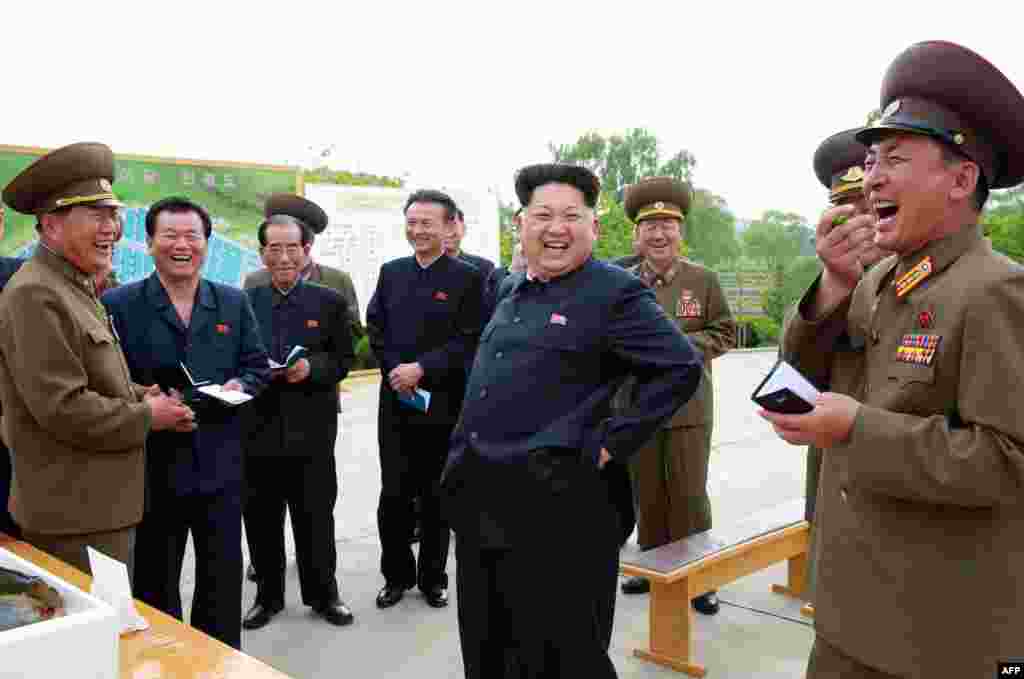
(388,596)
(259,615)
(437,596)
(250,574)
(636,584)
(706,603)
(336,613)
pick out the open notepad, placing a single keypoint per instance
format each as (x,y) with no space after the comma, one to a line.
(785,390)
(294,355)
(217,391)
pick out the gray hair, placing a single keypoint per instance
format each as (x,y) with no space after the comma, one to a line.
(307,234)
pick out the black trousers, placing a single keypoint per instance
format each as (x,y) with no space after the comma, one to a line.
(514,618)
(412,454)
(308,487)
(215,521)
(7,524)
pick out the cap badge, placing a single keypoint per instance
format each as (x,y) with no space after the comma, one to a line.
(104,184)
(659,205)
(958,138)
(891,109)
(854,174)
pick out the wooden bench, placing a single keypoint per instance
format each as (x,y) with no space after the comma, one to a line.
(684,569)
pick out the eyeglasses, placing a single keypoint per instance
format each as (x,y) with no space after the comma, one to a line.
(277,249)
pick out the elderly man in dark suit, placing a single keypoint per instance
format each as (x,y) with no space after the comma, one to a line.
(171,321)
(423,322)
(292,430)
(538,457)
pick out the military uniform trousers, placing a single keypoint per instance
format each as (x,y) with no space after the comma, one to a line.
(308,487)
(71,549)
(413,450)
(670,479)
(516,618)
(828,662)
(215,521)
(811,496)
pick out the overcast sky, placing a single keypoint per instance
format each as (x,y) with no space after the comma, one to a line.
(465,93)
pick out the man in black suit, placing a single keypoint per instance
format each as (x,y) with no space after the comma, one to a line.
(536,475)
(423,322)
(293,427)
(453,246)
(8,265)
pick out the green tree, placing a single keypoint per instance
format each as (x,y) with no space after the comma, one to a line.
(711,230)
(616,233)
(624,159)
(1003,222)
(776,239)
(797,277)
(325,175)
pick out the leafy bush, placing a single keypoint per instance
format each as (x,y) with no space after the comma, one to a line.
(365,360)
(761,331)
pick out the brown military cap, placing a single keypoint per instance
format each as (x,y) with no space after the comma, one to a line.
(947,92)
(306,211)
(533,176)
(839,163)
(79,174)
(657,197)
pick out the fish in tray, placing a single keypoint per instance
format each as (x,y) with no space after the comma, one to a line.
(25,599)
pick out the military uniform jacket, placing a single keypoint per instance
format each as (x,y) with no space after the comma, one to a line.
(327,276)
(300,420)
(692,296)
(74,421)
(922,510)
(431,316)
(220,343)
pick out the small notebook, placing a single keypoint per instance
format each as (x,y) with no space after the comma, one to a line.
(785,390)
(419,399)
(294,355)
(216,391)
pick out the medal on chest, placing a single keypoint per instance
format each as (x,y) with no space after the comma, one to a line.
(918,348)
(688,306)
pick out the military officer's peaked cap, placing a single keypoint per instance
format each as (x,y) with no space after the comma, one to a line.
(839,163)
(534,176)
(306,211)
(657,197)
(79,174)
(948,92)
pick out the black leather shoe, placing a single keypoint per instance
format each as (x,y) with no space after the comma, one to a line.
(706,603)
(636,584)
(250,574)
(437,597)
(388,596)
(259,615)
(336,613)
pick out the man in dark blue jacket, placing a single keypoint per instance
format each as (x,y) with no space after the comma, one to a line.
(8,265)
(423,322)
(171,319)
(538,460)
(292,428)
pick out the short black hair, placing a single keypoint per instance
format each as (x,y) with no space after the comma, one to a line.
(305,233)
(951,155)
(460,214)
(433,196)
(177,204)
(532,177)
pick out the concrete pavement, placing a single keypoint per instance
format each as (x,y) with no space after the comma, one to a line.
(757,633)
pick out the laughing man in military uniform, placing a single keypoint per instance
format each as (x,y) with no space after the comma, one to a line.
(922,492)
(670,472)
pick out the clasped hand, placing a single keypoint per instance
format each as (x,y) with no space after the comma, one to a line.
(168,411)
(405,377)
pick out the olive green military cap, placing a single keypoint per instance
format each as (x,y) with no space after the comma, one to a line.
(306,211)
(657,197)
(532,177)
(947,92)
(78,174)
(839,164)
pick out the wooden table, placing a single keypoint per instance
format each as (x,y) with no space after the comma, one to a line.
(169,649)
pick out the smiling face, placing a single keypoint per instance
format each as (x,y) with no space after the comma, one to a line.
(559,230)
(426,225)
(284,255)
(84,235)
(910,187)
(658,239)
(178,245)
(453,241)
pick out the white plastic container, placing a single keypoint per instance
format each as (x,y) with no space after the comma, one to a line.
(81,644)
